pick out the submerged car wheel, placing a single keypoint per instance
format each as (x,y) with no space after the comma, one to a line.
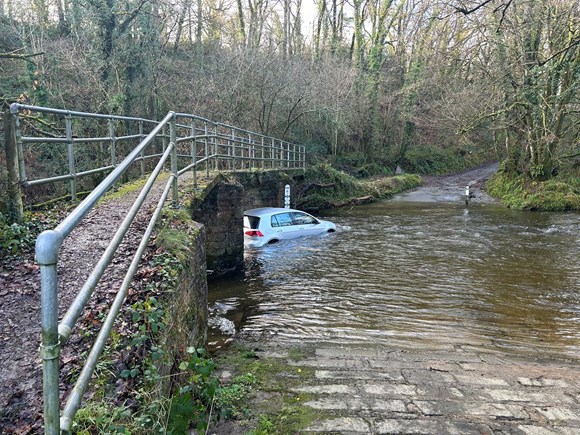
(271,242)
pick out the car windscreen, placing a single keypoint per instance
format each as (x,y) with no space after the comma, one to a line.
(252,222)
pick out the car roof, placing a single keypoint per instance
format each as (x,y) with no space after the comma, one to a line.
(267,210)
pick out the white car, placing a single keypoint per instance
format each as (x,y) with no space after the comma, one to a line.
(271,224)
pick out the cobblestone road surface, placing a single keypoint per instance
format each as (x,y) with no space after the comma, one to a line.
(450,390)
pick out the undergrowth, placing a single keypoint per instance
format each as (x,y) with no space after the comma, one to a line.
(560,193)
(328,187)
(17,239)
(434,160)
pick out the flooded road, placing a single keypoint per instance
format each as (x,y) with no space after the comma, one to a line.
(419,273)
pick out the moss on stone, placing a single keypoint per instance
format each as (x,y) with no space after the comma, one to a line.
(274,407)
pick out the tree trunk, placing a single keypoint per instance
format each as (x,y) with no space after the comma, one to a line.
(14,206)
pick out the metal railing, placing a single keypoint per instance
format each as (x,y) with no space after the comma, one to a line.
(218,145)
(186,141)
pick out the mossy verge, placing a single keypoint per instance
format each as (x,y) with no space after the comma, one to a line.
(560,193)
(326,187)
(273,408)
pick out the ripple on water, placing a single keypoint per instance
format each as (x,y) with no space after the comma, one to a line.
(435,274)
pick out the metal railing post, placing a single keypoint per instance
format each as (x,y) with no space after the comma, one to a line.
(173,143)
(215,148)
(288,156)
(142,152)
(113,140)
(163,139)
(206,151)
(263,165)
(234,148)
(251,152)
(20,151)
(194,153)
(281,155)
(47,247)
(71,158)
(272,154)
(248,158)
(231,152)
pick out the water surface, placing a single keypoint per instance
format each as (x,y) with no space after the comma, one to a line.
(400,272)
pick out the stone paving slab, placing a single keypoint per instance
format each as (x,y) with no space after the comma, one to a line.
(418,391)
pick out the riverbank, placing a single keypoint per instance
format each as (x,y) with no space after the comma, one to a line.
(324,187)
(561,193)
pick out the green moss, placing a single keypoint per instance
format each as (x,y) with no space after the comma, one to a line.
(132,186)
(435,160)
(275,408)
(519,192)
(333,188)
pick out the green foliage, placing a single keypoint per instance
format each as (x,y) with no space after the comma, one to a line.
(204,399)
(103,417)
(431,159)
(338,188)
(18,238)
(520,192)
(358,165)
(14,238)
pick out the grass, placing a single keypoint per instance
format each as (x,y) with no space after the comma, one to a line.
(561,193)
(335,188)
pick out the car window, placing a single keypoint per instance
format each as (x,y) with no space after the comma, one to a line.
(303,219)
(252,222)
(281,220)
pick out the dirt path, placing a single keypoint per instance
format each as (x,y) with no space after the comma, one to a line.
(20,364)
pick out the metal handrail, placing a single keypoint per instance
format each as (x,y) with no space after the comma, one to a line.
(221,151)
(235,142)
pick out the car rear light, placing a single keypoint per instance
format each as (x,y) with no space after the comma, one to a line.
(254,233)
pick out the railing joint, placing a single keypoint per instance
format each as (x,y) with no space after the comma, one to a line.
(48,353)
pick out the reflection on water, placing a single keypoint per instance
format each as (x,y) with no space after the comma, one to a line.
(399,272)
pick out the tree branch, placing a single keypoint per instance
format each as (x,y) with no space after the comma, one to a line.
(572,44)
(466,11)
(23,56)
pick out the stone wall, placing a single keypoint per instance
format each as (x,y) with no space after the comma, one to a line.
(221,210)
(189,305)
(266,189)
(220,207)
(186,304)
